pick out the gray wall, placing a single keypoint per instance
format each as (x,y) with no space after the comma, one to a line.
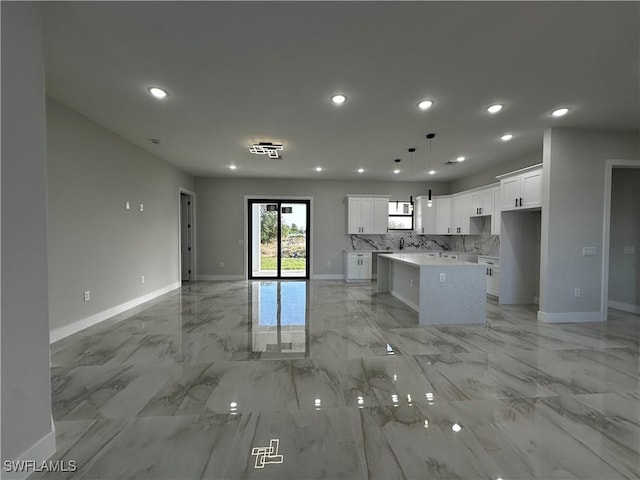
(94,242)
(488,176)
(572,214)
(220,217)
(26,390)
(624,271)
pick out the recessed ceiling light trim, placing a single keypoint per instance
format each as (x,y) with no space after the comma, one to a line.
(425,104)
(495,108)
(158,92)
(560,112)
(360,170)
(461,159)
(339,98)
(232,167)
(318,169)
(506,137)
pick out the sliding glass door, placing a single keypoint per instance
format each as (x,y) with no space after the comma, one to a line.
(278,238)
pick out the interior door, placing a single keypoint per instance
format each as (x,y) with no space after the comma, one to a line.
(278,238)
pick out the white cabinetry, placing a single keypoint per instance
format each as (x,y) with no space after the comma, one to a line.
(482,202)
(442,206)
(460,209)
(357,266)
(367,214)
(522,189)
(492,272)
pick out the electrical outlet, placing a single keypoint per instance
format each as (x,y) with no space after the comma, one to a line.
(328,264)
(588,251)
(141,278)
(221,264)
(628,250)
(240,242)
(576,293)
(443,278)
(127,205)
(87,295)
(142,207)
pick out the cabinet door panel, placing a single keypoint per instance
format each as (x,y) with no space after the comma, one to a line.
(380,215)
(354,215)
(532,189)
(367,215)
(443,216)
(510,192)
(486,206)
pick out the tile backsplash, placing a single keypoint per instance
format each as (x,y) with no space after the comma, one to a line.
(483,244)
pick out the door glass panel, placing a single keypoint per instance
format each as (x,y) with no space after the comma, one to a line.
(293,243)
(264,244)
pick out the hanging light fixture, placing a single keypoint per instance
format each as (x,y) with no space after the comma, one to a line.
(430,136)
(397,169)
(411,150)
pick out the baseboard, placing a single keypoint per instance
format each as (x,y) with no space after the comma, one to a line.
(327,276)
(569,317)
(625,307)
(220,278)
(62,332)
(38,453)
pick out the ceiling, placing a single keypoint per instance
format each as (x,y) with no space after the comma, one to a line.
(243,72)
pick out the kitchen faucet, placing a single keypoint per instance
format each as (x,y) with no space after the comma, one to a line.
(401,243)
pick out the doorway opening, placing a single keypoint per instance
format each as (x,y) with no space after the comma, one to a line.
(278,238)
(621,269)
(187,248)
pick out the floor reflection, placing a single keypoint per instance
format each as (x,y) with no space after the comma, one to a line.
(279,319)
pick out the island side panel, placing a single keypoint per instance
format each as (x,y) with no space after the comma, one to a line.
(460,299)
(405,284)
(384,267)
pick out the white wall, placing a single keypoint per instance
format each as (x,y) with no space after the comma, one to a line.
(573,217)
(26,387)
(624,271)
(220,217)
(96,244)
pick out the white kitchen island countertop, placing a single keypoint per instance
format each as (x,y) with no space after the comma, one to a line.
(443,291)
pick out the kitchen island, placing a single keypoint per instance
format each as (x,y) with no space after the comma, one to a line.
(442,290)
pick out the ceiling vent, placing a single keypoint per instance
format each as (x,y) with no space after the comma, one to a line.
(267,148)
(451,162)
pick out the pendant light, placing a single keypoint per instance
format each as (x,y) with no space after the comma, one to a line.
(430,136)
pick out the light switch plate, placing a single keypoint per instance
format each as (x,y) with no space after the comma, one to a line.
(628,250)
(588,251)
(443,278)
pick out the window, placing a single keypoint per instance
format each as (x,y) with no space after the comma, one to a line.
(400,215)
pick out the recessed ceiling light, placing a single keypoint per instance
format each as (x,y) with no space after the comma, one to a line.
(339,99)
(396,171)
(318,169)
(432,172)
(456,428)
(360,170)
(460,159)
(494,108)
(157,92)
(506,137)
(560,112)
(232,167)
(425,104)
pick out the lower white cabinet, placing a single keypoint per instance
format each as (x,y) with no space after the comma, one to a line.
(492,272)
(357,266)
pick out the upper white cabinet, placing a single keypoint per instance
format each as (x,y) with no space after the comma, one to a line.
(482,202)
(424,216)
(522,189)
(460,213)
(367,214)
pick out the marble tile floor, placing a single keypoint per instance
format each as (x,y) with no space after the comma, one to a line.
(185,386)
